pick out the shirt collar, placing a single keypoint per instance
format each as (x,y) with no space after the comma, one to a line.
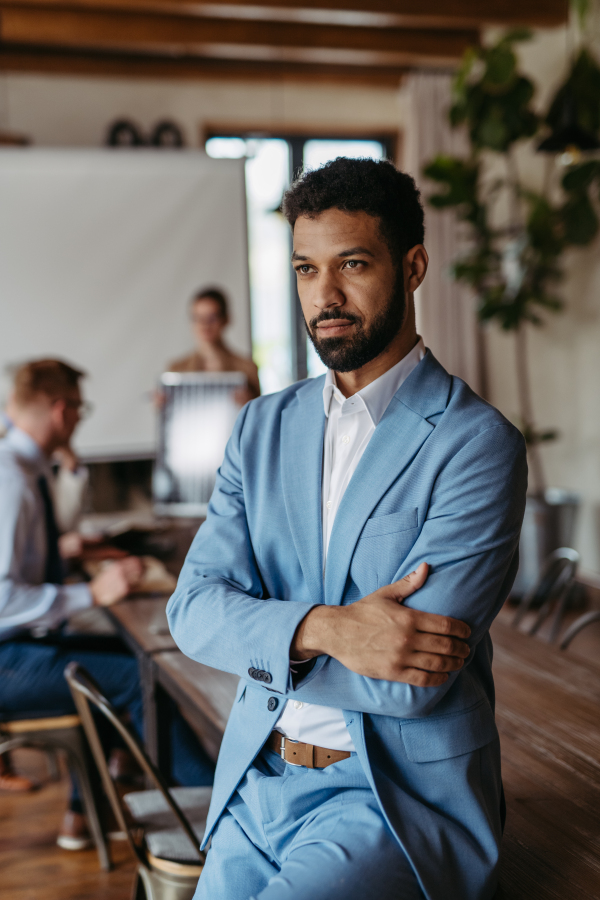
(376,396)
(26,449)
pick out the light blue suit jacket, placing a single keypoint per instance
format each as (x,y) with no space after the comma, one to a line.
(442,480)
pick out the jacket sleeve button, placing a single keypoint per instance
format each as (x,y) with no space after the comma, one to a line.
(252,672)
(272,704)
(267,677)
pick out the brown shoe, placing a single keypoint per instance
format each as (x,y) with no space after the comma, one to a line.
(74,834)
(10,781)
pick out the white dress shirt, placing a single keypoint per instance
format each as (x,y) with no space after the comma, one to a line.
(349,426)
(25,601)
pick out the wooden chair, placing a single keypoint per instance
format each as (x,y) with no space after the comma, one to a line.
(164,826)
(551,591)
(63,733)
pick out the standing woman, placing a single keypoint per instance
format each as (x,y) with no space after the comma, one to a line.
(210,316)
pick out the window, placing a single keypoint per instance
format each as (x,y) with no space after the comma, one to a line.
(280,346)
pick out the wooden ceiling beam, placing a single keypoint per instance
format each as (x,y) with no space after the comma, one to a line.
(385,13)
(230,39)
(64,62)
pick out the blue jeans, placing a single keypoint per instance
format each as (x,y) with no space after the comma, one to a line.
(32,685)
(292,833)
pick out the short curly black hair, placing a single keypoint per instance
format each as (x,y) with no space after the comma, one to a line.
(362,185)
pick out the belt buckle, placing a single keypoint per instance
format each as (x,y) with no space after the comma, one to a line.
(282,751)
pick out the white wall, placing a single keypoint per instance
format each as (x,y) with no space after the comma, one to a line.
(565,354)
(72,111)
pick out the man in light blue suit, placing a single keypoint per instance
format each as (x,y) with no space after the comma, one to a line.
(360,540)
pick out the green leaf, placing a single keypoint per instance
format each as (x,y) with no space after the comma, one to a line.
(579,219)
(579,177)
(579,95)
(516,34)
(500,65)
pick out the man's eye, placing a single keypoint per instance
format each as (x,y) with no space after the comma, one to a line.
(304,269)
(353,263)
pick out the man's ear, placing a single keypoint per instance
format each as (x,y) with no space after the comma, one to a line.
(415,264)
(57,413)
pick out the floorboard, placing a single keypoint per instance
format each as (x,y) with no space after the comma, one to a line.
(33,867)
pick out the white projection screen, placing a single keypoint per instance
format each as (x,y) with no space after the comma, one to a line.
(100,251)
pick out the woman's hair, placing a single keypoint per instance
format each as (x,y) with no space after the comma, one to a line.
(216,294)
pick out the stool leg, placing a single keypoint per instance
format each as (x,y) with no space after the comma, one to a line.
(80,758)
(53,766)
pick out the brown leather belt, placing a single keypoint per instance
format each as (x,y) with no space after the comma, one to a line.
(298,754)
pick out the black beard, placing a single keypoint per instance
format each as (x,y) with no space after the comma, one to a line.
(349,354)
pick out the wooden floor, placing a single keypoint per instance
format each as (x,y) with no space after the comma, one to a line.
(551,766)
(32,867)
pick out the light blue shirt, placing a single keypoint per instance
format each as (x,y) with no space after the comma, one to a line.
(25,601)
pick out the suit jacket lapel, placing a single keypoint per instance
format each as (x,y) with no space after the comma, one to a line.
(396,441)
(302,427)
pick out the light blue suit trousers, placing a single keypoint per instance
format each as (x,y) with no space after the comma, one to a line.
(291,833)
(443,480)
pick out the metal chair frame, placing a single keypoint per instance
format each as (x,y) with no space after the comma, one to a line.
(156,879)
(578,625)
(556,580)
(62,733)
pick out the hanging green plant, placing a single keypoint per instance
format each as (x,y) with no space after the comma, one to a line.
(515,267)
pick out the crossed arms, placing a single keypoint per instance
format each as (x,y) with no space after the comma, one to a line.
(377,655)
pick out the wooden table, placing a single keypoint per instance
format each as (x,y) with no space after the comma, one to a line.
(548,714)
(204,695)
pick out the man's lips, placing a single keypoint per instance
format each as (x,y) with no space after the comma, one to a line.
(334,327)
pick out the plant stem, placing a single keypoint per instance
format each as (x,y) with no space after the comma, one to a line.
(537,482)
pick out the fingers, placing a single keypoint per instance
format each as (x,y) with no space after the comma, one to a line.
(132,569)
(444,625)
(411,583)
(432,662)
(423,679)
(439,644)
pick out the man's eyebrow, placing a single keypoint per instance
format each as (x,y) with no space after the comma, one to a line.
(356,251)
(343,254)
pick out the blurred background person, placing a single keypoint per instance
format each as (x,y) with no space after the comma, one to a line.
(44,411)
(209,314)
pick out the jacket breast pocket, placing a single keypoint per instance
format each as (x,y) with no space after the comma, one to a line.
(375,562)
(442,737)
(397,521)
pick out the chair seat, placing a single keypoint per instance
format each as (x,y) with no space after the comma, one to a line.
(164,839)
(55,723)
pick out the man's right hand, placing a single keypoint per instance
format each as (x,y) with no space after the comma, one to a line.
(380,638)
(115,581)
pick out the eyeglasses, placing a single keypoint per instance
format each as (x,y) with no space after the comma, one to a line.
(83,407)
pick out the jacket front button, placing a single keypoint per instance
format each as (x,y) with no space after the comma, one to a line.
(272,704)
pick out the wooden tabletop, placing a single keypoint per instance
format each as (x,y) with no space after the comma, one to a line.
(548,714)
(205,695)
(143,623)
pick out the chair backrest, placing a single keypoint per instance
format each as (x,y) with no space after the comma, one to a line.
(85,692)
(558,573)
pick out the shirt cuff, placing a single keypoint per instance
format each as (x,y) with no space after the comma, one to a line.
(72,598)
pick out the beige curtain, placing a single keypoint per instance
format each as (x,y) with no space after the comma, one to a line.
(445,311)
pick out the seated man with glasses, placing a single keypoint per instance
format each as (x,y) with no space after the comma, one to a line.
(43,411)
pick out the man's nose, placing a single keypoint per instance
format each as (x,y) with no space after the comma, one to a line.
(328,292)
